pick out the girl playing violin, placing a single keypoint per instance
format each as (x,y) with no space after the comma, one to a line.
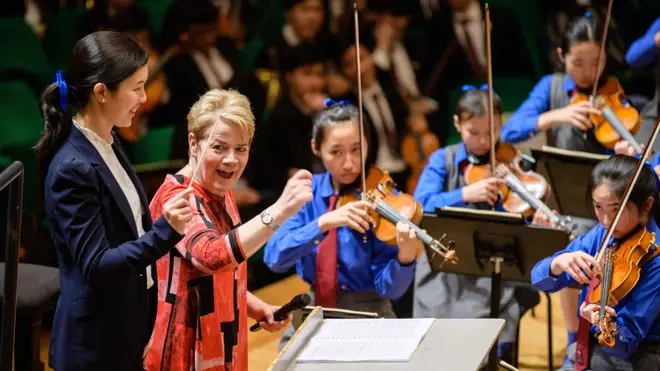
(551,104)
(359,272)
(442,183)
(638,341)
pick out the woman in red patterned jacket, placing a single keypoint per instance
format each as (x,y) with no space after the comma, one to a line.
(203,302)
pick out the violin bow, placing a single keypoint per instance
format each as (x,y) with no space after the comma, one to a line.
(489,73)
(629,188)
(359,83)
(489,77)
(603,47)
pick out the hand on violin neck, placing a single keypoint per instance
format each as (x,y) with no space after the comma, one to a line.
(409,245)
(657,39)
(485,190)
(354,215)
(579,265)
(623,147)
(575,114)
(591,312)
(543,220)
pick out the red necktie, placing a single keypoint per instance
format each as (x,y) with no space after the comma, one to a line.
(325,292)
(582,347)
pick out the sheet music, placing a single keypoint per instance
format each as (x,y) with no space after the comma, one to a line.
(366,340)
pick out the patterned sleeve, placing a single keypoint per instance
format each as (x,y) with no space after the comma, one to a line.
(204,245)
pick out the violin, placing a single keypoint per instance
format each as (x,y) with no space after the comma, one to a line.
(520,185)
(621,270)
(391,207)
(415,150)
(620,120)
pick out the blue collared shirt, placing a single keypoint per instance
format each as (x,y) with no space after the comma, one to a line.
(521,126)
(430,190)
(644,51)
(637,314)
(362,267)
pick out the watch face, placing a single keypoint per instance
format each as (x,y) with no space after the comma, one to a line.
(266,218)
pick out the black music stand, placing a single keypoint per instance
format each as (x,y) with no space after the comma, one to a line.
(568,173)
(503,241)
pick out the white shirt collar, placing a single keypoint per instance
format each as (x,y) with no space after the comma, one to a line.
(93,137)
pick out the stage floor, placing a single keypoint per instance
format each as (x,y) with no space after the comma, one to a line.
(262,345)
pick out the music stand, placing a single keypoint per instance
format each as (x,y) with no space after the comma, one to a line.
(568,173)
(500,240)
(300,315)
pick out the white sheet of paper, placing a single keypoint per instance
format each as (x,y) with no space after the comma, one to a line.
(366,340)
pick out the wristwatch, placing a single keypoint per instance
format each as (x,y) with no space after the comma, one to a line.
(268,220)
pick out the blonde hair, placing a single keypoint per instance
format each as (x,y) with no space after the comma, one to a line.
(228,105)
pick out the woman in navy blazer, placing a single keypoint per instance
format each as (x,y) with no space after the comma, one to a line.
(97,209)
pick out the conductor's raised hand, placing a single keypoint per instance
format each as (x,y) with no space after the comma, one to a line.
(297,192)
(579,265)
(177,210)
(354,215)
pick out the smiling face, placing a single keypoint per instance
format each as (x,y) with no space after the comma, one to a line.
(121,104)
(225,159)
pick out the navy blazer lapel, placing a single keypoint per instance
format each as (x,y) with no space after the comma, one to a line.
(125,163)
(92,155)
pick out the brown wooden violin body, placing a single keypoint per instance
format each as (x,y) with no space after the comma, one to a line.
(621,270)
(611,95)
(392,207)
(415,150)
(517,180)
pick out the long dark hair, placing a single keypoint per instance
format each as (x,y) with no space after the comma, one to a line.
(617,171)
(106,57)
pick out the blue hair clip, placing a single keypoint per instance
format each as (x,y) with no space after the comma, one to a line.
(64,90)
(471,87)
(329,102)
(648,164)
(587,14)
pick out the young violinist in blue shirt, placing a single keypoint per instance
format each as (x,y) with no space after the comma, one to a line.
(367,272)
(638,341)
(442,183)
(548,107)
(567,126)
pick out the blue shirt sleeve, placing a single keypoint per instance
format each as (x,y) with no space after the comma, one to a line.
(430,186)
(655,160)
(644,51)
(522,124)
(391,279)
(294,239)
(637,312)
(545,281)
